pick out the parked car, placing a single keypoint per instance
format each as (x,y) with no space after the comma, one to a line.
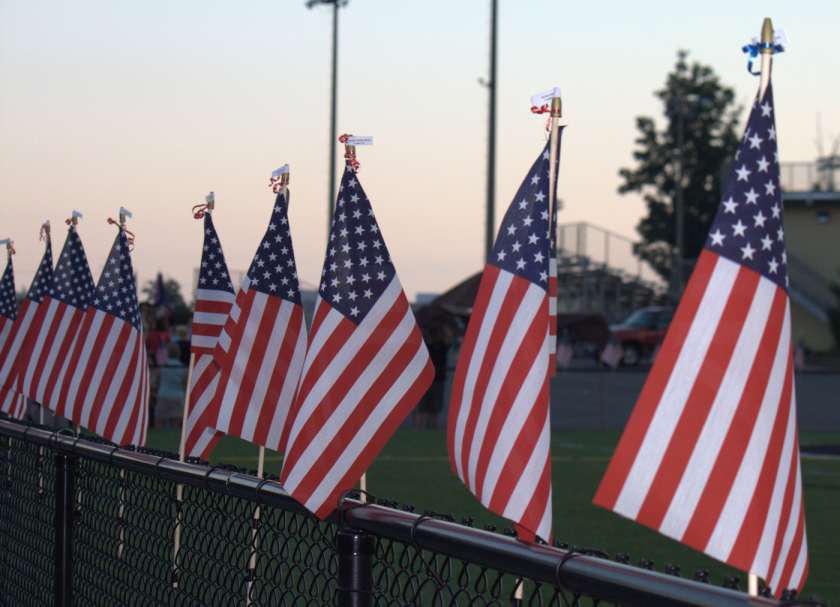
(641,332)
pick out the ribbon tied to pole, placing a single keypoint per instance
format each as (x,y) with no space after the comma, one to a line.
(129,235)
(754,48)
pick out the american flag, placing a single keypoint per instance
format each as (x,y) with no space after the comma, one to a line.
(11,402)
(498,431)
(710,456)
(213,301)
(263,343)
(27,324)
(106,387)
(366,367)
(47,350)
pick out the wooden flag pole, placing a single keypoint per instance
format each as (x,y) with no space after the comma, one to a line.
(281,184)
(124,214)
(556,113)
(74,221)
(767,40)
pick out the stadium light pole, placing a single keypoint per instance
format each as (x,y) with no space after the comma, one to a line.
(336,4)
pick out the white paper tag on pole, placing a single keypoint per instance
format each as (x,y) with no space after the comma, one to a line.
(210,198)
(77,214)
(126,212)
(359,140)
(545,97)
(780,37)
(280,171)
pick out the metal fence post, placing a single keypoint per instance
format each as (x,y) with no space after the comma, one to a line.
(65,466)
(355,568)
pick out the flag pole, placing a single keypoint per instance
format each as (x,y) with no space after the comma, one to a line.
(282,186)
(74,221)
(766,68)
(123,216)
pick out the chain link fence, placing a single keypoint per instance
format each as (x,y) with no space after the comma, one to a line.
(85,523)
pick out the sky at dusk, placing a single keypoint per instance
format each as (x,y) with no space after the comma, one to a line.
(150,105)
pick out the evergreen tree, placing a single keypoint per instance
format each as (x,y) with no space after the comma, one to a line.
(693,96)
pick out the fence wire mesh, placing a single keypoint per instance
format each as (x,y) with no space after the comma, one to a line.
(145,538)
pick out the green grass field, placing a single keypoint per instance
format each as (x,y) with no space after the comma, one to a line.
(413,468)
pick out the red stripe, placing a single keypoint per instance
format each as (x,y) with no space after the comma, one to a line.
(28,343)
(321,311)
(521,450)
(63,352)
(31,388)
(357,417)
(213,307)
(121,401)
(279,376)
(10,340)
(345,380)
(109,376)
(640,419)
(795,547)
(696,409)
(533,514)
(728,461)
(251,374)
(62,407)
(784,516)
(86,373)
(341,333)
(378,440)
(485,289)
(531,348)
(501,325)
(749,536)
(244,301)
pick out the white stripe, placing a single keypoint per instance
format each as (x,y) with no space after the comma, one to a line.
(670,407)
(528,309)
(344,409)
(100,361)
(737,502)
(85,353)
(116,380)
(5,329)
(13,348)
(336,366)
(61,335)
(268,367)
(790,528)
(325,330)
(552,266)
(369,428)
(552,306)
(202,361)
(242,357)
(801,559)
(287,394)
(213,295)
(729,392)
(209,318)
(528,481)
(526,400)
(133,400)
(488,321)
(544,528)
(201,444)
(65,364)
(30,366)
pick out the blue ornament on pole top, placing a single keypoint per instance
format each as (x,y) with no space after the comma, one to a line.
(778,44)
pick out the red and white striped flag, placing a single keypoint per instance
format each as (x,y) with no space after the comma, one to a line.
(106,386)
(366,367)
(710,455)
(499,428)
(41,369)
(26,325)
(213,301)
(263,343)
(12,403)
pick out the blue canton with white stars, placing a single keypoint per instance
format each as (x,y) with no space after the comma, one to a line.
(72,281)
(116,292)
(43,282)
(748,227)
(358,267)
(522,246)
(273,270)
(8,304)
(213,273)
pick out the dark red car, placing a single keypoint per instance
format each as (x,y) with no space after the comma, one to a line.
(641,332)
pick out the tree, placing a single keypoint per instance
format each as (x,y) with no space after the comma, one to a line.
(175,301)
(694,98)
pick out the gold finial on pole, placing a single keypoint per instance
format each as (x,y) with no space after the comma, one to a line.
(556,107)
(767,36)
(766,50)
(210,199)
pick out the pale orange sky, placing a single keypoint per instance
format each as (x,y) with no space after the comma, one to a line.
(150,105)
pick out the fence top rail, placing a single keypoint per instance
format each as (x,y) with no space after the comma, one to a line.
(590,575)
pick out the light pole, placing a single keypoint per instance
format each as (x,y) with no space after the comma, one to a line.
(336,4)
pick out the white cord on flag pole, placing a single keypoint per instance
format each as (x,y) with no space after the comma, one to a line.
(752,584)
(252,565)
(179,489)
